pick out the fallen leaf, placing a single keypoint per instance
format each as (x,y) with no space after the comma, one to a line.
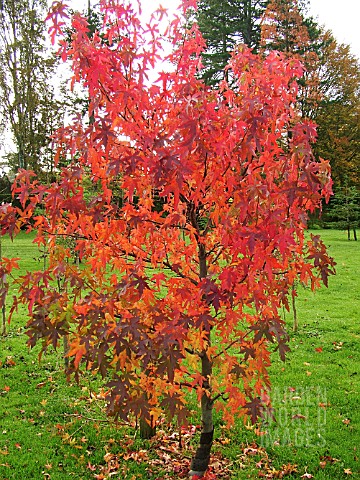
(319,349)
(347,471)
(346,421)
(9,362)
(288,469)
(308,373)
(298,415)
(328,458)
(307,475)
(224,441)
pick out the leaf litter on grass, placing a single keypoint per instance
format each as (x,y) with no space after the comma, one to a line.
(169,453)
(168,456)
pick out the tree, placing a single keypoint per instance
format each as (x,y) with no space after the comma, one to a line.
(283,28)
(29,109)
(286,27)
(344,210)
(338,112)
(184,299)
(225,24)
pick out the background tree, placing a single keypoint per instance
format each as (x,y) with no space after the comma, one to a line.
(287,27)
(338,112)
(181,300)
(225,24)
(344,210)
(29,109)
(283,28)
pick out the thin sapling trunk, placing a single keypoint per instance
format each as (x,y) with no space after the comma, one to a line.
(200,461)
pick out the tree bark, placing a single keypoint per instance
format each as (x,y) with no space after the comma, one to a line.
(201,459)
(293,298)
(3,281)
(66,351)
(147,430)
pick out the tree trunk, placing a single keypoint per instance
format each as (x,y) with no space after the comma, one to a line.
(66,351)
(3,281)
(147,430)
(355,236)
(200,461)
(293,298)
(147,425)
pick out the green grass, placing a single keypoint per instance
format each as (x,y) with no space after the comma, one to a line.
(52,429)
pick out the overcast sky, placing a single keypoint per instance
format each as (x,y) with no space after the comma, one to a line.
(340,17)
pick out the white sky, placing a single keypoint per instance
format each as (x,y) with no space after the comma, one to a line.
(340,17)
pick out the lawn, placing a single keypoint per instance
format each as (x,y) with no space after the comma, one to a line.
(51,429)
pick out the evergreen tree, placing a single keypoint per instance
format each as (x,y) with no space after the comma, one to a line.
(225,24)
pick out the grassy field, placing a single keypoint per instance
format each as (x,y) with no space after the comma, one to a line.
(51,429)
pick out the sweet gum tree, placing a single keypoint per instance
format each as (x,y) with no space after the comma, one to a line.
(182,277)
